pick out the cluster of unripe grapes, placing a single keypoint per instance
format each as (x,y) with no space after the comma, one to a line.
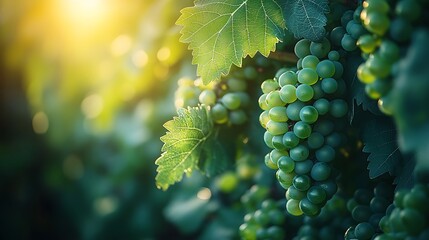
(408,216)
(367,209)
(303,117)
(378,29)
(227,98)
(330,224)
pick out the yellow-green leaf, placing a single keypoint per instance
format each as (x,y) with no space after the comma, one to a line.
(223,32)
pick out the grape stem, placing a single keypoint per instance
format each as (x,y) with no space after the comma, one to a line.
(284,57)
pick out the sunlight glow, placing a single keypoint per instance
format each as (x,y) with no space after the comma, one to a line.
(140,58)
(121,45)
(92,106)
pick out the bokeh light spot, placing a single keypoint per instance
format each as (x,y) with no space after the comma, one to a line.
(121,45)
(204,194)
(105,205)
(40,123)
(92,106)
(163,54)
(140,58)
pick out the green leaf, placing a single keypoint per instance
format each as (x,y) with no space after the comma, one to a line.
(184,143)
(404,177)
(379,136)
(306,18)
(223,32)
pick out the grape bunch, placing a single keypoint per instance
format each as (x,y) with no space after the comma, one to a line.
(330,224)
(408,216)
(227,99)
(378,37)
(303,117)
(367,209)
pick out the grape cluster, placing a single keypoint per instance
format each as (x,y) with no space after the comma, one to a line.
(264,223)
(367,209)
(227,99)
(378,36)
(408,216)
(330,224)
(303,117)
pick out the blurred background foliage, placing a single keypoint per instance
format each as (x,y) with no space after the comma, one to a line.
(85,86)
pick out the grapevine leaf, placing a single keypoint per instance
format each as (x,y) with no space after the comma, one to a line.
(223,32)
(379,137)
(213,158)
(184,143)
(306,18)
(410,99)
(404,177)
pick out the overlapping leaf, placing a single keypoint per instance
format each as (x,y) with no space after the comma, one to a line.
(307,18)
(189,136)
(223,32)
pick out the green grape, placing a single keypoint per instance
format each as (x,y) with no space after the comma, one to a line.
(318,92)
(355,29)
(269,85)
(227,182)
(288,78)
(316,195)
(361,213)
(248,231)
(320,171)
(278,114)
(219,113)
(309,208)
(278,142)
(268,139)
(363,196)
(338,108)
(284,178)
(320,49)
(292,206)
(237,117)
(299,153)
(280,72)
(290,140)
(337,35)
(273,99)
(325,69)
(378,88)
(250,72)
(269,163)
(286,164)
(304,92)
(347,17)
(276,128)
(308,114)
(334,55)
(293,109)
(275,155)
(408,9)
(364,231)
(302,182)
(364,74)
(315,140)
(308,76)
(322,106)
(325,127)
(310,61)
(275,232)
(295,194)
(348,43)
(413,221)
(231,101)
(377,23)
(244,98)
(302,129)
(379,6)
(400,30)
(207,97)
(236,85)
(388,51)
(262,102)
(378,204)
(261,217)
(329,186)
(367,43)
(303,167)
(288,93)
(325,154)
(329,85)
(334,140)
(299,64)
(302,48)
(339,70)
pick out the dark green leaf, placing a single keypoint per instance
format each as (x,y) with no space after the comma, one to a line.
(379,136)
(307,18)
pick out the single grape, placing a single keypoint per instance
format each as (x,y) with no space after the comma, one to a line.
(299,153)
(348,43)
(292,206)
(334,55)
(325,69)
(339,70)
(219,113)
(269,85)
(304,92)
(231,101)
(268,139)
(325,154)
(408,9)
(309,208)
(293,109)
(322,106)
(329,85)
(379,6)
(337,35)
(364,74)
(316,195)
(325,127)
(302,129)
(310,61)
(286,164)
(237,117)
(377,23)
(263,102)
(367,43)
(207,97)
(320,171)
(236,85)
(273,99)
(290,140)
(308,76)
(302,48)
(278,114)
(320,49)
(288,78)
(315,140)
(338,108)
(364,231)
(308,114)
(303,167)
(276,128)
(278,142)
(288,93)
(302,182)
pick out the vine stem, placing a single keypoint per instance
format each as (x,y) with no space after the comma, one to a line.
(284,57)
